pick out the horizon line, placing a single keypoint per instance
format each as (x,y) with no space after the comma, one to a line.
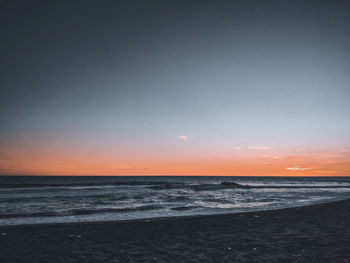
(174,175)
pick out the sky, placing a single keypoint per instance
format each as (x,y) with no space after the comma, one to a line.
(175,88)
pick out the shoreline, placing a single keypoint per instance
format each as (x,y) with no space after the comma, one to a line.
(314,233)
(171,218)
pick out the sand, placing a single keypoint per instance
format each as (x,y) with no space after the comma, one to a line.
(318,233)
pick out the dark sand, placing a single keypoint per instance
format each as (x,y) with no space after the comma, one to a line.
(318,233)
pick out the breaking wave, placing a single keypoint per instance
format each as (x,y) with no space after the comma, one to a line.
(163,185)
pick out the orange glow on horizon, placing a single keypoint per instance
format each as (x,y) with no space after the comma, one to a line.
(253,163)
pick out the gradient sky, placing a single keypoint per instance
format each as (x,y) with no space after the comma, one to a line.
(175,87)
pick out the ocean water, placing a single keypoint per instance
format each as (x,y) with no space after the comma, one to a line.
(36,200)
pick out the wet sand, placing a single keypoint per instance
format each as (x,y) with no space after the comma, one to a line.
(318,233)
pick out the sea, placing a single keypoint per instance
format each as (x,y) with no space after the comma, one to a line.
(65,199)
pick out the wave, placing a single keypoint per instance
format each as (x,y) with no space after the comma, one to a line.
(112,197)
(175,198)
(199,187)
(184,208)
(113,210)
(36,214)
(162,185)
(232,185)
(299,186)
(54,185)
(75,212)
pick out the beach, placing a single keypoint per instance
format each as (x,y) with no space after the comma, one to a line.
(316,233)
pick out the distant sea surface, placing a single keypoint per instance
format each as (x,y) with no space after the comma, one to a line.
(44,199)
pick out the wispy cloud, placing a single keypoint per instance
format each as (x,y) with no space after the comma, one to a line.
(258,148)
(296,168)
(183,138)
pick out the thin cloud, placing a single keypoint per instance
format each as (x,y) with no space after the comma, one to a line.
(269,156)
(183,138)
(258,148)
(296,168)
